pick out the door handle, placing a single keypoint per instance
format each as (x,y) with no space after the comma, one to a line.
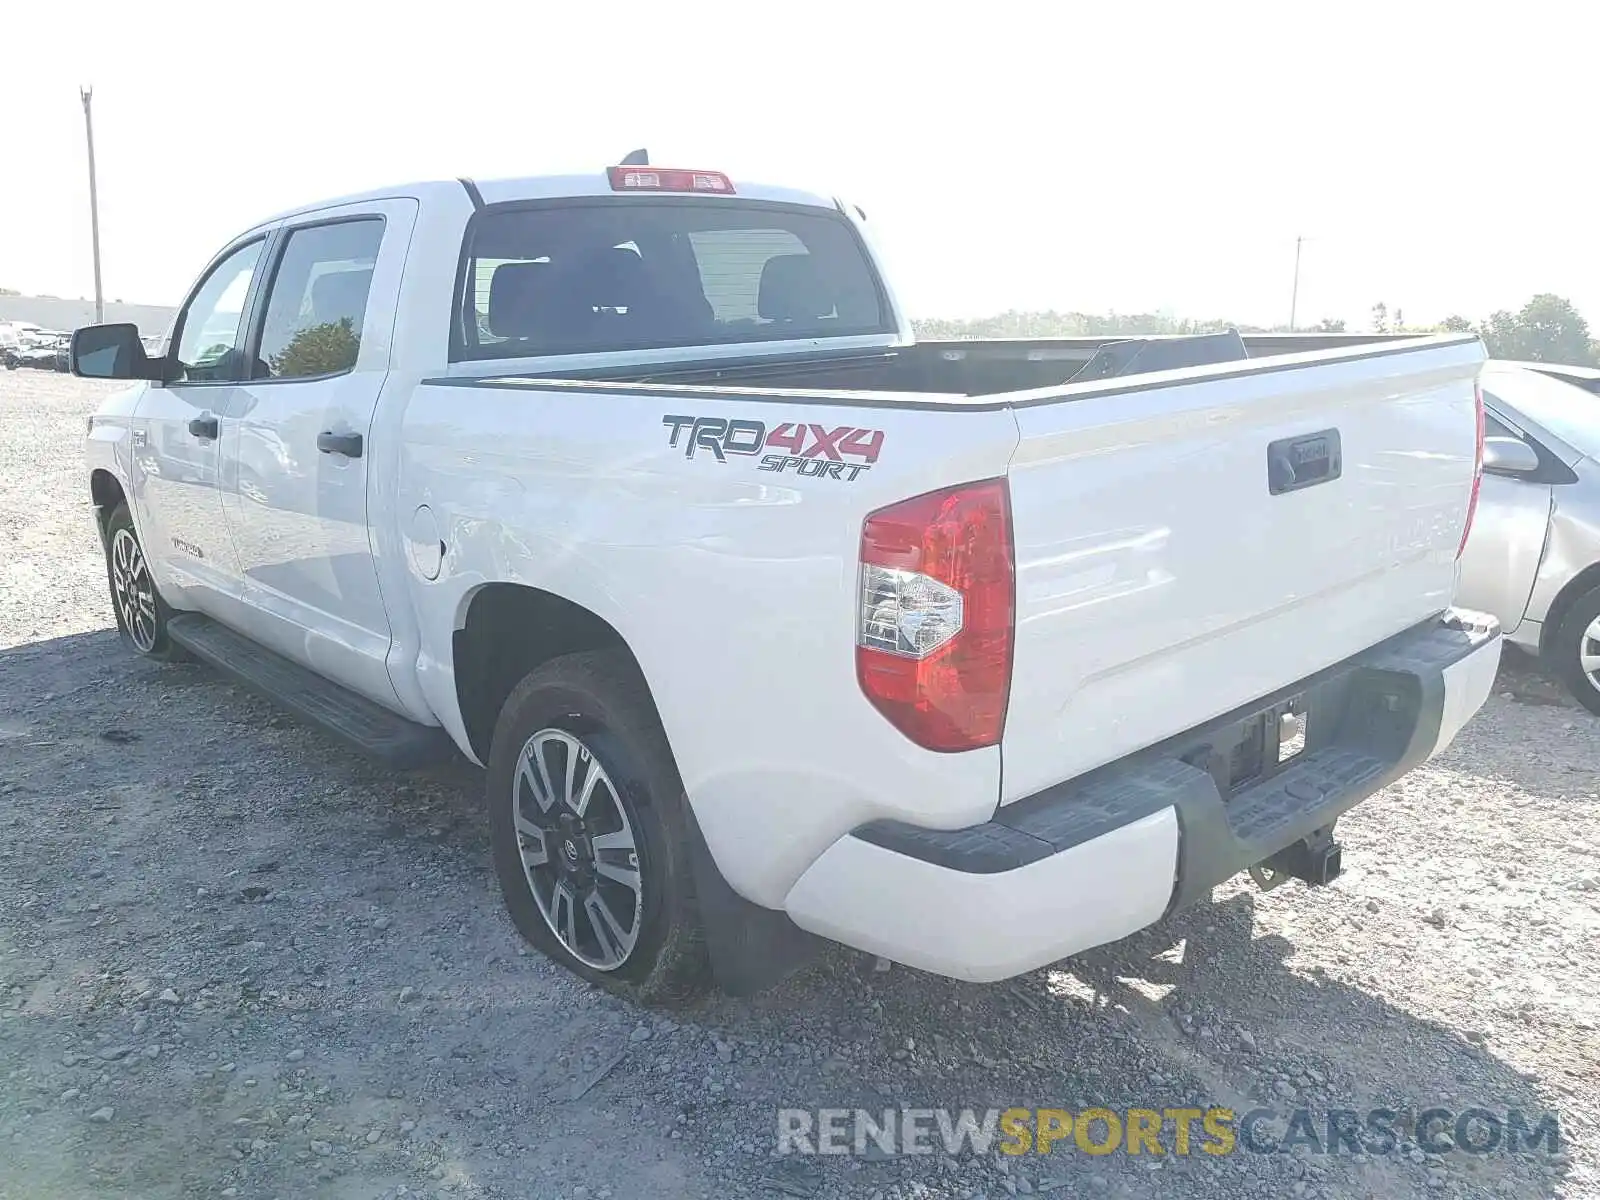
(347,444)
(203,427)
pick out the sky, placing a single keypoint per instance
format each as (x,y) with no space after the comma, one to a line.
(1133,157)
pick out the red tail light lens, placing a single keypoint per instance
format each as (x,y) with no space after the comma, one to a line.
(934,632)
(1477,472)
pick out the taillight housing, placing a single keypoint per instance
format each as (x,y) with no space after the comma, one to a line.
(1477,471)
(936,615)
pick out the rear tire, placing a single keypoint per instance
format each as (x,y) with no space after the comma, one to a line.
(1573,652)
(592,853)
(141,613)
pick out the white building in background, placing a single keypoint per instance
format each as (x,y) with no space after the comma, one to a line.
(49,312)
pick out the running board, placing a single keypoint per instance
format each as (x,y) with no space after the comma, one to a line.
(358,722)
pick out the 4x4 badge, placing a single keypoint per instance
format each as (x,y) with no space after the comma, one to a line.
(811,449)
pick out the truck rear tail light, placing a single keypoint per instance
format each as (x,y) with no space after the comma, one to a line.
(664,179)
(937,605)
(1477,471)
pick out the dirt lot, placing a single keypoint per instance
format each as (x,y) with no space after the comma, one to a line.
(237,961)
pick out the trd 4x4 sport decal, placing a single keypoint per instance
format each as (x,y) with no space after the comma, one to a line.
(808,449)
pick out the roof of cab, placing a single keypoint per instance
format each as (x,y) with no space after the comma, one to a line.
(545,187)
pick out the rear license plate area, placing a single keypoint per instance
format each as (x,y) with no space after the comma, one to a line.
(1255,748)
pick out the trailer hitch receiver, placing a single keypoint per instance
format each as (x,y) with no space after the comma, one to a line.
(1317,860)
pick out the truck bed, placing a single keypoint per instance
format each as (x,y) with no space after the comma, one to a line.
(988,367)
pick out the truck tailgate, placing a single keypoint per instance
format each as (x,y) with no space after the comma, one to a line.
(1190,541)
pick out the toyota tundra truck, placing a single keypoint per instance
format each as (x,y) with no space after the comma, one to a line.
(769,624)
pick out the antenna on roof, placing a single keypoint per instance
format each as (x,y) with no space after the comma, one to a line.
(636,158)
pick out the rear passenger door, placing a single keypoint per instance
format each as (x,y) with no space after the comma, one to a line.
(298,449)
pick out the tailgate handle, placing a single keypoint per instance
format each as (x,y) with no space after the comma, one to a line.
(1304,461)
(347,444)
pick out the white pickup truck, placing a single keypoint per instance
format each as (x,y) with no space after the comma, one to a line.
(769,624)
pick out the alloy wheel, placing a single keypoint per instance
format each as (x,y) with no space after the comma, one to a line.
(579,854)
(1589,653)
(133,590)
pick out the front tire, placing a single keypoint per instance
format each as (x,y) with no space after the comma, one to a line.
(588,831)
(1573,652)
(141,613)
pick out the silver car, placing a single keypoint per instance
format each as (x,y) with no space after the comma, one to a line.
(1533,557)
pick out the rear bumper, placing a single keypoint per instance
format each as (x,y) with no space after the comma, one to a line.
(1100,857)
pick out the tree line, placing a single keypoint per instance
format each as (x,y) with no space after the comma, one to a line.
(1548,328)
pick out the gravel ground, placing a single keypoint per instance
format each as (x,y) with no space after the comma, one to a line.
(237,961)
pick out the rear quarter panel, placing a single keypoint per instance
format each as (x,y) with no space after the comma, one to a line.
(734,587)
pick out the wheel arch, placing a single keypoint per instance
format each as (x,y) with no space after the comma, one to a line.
(1575,588)
(507,630)
(106,492)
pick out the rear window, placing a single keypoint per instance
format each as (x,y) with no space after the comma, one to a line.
(643,274)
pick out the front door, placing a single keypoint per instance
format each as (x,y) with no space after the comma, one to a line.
(176,440)
(297,449)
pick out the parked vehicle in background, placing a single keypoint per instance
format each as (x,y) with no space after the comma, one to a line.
(637,488)
(41,351)
(1587,378)
(1533,559)
(44,349)
(10,343)
(20,342)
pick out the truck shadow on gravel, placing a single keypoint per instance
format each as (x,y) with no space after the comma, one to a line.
(190,871)
(1219,1019)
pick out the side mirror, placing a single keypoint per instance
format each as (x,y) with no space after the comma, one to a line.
(111,352)
(1509,456)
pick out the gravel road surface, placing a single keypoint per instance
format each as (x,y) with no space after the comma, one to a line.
(236,960)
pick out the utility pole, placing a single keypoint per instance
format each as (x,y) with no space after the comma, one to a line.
(1294,296)
(87,94)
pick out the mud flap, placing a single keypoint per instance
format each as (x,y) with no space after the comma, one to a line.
(751,947)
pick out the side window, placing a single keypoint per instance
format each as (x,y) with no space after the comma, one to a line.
(211,334)
(317,303)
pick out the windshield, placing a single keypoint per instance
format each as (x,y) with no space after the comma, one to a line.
(1570,413)
(645,274)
